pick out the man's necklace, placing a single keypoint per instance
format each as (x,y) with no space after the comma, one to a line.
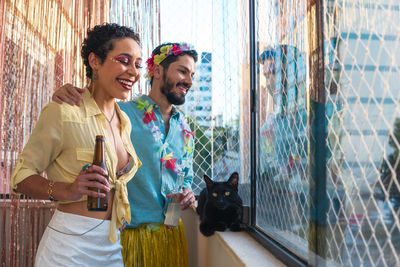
(168,160)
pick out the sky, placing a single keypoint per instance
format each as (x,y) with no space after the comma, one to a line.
(209,25)
(187,21)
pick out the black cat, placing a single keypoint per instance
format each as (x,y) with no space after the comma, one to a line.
(220,206)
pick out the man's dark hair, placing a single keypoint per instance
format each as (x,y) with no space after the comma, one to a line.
(268,53)
(171,58)
(99,40)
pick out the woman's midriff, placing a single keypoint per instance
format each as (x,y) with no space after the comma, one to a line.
(80,208)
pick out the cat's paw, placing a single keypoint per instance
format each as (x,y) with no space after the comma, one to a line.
(220,226)
(235,227)
(206,231)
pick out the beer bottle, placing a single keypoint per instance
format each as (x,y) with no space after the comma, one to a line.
(94,203)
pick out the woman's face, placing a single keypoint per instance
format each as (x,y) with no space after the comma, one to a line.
(120,70)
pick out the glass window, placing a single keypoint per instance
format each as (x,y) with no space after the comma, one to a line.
(327,146)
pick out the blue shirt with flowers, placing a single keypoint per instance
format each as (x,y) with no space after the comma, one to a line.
(164,158)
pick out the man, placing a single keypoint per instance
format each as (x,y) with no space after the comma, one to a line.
(281,140)
(164,144)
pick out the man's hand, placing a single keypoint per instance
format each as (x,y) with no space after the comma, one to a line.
(69,94)
(186,199)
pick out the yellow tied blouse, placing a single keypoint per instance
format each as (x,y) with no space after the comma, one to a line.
(63,141)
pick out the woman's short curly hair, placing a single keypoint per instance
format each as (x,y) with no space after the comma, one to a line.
(99,41)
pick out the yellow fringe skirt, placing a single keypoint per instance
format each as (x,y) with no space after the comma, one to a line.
(154,245)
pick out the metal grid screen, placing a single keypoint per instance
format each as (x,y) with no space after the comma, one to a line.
(217,104)
(358,208)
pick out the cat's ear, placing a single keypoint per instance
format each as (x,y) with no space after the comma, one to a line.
(208,180)
(234,180)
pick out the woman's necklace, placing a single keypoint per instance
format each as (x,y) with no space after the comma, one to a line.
(111,128)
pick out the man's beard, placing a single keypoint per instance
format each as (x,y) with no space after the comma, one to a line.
(172,97)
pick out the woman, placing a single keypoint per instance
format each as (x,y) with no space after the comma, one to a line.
(63,142)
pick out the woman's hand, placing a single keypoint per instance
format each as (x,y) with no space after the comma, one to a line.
(69,94)
(186,199)
(89,177)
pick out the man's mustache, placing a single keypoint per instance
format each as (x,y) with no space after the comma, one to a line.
(184,84)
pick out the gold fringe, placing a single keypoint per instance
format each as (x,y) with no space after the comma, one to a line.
(143,247)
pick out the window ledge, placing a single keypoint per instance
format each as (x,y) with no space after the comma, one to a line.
(234,249)
(248,251)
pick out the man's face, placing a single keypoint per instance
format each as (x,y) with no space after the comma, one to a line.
(269,73)
(177,79)
(269,67)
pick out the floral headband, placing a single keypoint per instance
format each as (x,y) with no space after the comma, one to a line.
(165,51)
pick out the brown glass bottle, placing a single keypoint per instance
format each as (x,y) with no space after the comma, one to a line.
(94,203)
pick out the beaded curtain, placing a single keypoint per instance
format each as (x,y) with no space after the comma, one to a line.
(39,51)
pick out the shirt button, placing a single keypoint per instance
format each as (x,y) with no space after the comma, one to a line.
(156,106)
(162,121)
(163,190)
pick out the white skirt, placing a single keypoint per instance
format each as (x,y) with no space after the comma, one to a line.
(90,249)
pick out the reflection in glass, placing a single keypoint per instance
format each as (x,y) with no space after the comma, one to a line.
(362,129)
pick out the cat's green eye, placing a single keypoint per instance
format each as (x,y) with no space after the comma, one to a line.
(227,193)
(214,194)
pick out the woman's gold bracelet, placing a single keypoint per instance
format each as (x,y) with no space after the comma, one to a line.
(50,191)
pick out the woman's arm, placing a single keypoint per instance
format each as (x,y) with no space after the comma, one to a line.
(43,147)
(39,187)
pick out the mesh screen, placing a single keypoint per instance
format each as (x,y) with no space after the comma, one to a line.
(217,105)
(360,40)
